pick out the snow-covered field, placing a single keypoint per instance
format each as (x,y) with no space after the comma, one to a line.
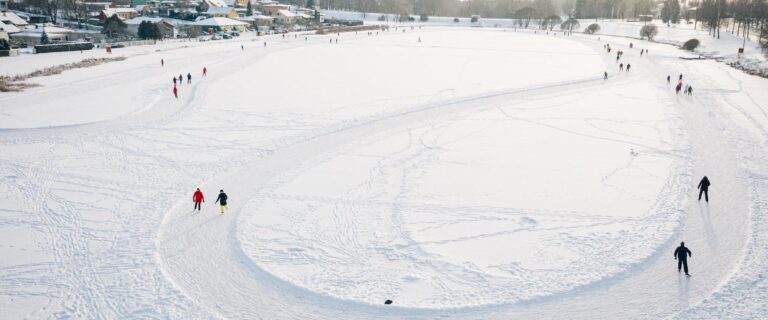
(462,173)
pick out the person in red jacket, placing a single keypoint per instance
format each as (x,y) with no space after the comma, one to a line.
(205,71)
(198,198)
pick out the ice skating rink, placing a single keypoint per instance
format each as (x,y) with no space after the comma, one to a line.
(477,174)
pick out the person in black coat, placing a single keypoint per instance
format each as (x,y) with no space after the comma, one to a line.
(222,200)
(681,255)
(704,188)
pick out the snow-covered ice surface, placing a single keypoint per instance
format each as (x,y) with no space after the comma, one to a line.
(479,174)
(517,199)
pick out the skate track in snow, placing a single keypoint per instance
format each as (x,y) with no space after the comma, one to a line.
(190,249)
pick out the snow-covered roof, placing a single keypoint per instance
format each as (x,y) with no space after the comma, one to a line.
(112,11)
(140,7)
(8,28)
(219,10)
(257,17)
(27,15)
(138,20)
(303,15)
(216,3)
(219,22)
(12,18)
(285,13)
(37,32)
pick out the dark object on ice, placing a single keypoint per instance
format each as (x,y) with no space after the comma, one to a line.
(704,188)
(682,258)
(388,302)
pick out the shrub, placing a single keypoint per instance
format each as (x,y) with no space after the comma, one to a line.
(382,18)
(592,28)
(474,19)
(690,45)
(423,17)
(648,31)
(456,20)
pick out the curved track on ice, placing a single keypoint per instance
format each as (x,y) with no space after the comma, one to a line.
(191,248)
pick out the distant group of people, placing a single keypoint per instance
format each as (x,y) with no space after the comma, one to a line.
(198,199)
(685,87)
(180,79)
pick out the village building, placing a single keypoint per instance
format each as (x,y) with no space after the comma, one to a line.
(122,13)
(167,28)
(222,12)
(225,25)
(285,17)
(271,9)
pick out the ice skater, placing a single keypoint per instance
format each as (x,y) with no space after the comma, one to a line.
(668,79)
(174,82)
(189,78)
(205,71)
(621,66)
(162,62)
(222,200)
(198,198)
(704,188)
(681,255)
(181,79)
(605,75)
(628,66)
(175,92)
(678,87)
(690,90)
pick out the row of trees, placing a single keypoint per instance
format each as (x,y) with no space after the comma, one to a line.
(73,10)
(746,14)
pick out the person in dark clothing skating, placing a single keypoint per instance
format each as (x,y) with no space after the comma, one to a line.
(198,198)
(222,200)
(189,78)
(681,255)
(704,188)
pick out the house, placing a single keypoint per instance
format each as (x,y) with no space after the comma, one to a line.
(237,3)
(284,17)
(32,35)
(166,26)
(271,9)
(207,4)
(222,12)
(32,18)
(221,25)
(144,10)
(10,18)
(259,20)
(122,13)
(8,28)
